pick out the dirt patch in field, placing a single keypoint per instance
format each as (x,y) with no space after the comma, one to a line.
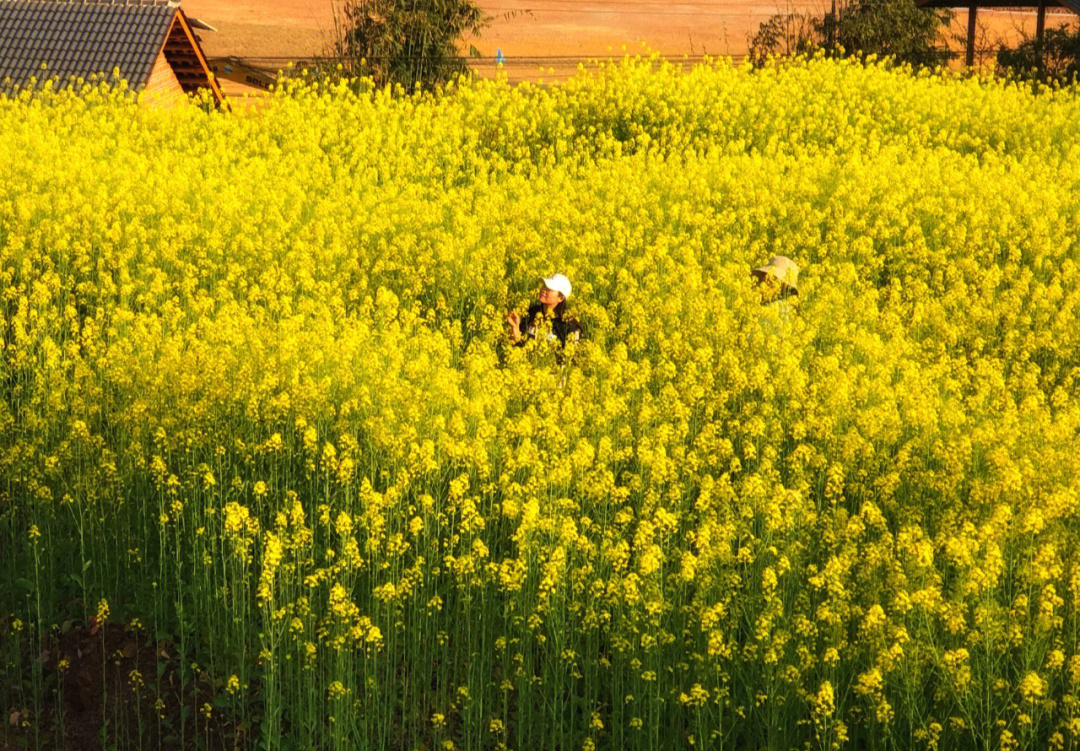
(106,687)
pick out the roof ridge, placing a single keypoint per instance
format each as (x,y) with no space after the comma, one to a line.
(116,3)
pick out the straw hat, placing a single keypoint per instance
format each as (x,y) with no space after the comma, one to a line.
(781,268)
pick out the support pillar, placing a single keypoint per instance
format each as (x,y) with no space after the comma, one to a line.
(1040,29)
(972,16)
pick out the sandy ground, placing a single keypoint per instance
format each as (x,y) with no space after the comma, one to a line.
(546,38)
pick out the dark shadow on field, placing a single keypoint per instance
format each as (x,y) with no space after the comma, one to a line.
(111,686)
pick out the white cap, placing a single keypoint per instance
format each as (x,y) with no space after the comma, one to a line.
(558,283)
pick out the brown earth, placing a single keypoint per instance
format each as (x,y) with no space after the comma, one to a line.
(539,39)
(111,686)
(547,38)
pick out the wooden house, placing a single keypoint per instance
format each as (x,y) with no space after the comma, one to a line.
(973,6)
(151,42)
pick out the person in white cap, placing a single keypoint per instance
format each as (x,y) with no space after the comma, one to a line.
(550,306)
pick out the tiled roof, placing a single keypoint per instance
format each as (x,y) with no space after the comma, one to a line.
(80,38)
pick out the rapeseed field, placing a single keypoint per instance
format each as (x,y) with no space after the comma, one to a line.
(261,417)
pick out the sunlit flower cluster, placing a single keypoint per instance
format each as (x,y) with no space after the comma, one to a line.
(265,350)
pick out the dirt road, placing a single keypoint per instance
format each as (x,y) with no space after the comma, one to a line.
(521,29)
(541,38)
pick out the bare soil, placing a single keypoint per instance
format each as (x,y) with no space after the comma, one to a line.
(548,38)
(111,686)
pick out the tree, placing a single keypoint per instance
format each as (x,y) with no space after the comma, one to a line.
(785,35)
(894,28)
(407,42)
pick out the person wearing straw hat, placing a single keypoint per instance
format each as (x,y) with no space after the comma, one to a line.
(549,308)
(777,280)
(778,284)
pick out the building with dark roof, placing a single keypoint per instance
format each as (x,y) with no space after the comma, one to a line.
(972,7)
(151,42)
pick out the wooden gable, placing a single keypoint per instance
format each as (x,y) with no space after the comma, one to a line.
(185,58)
(148,43)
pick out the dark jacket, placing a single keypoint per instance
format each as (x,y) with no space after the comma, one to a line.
(562,328)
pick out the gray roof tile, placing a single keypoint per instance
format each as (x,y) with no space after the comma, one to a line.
(81,37)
